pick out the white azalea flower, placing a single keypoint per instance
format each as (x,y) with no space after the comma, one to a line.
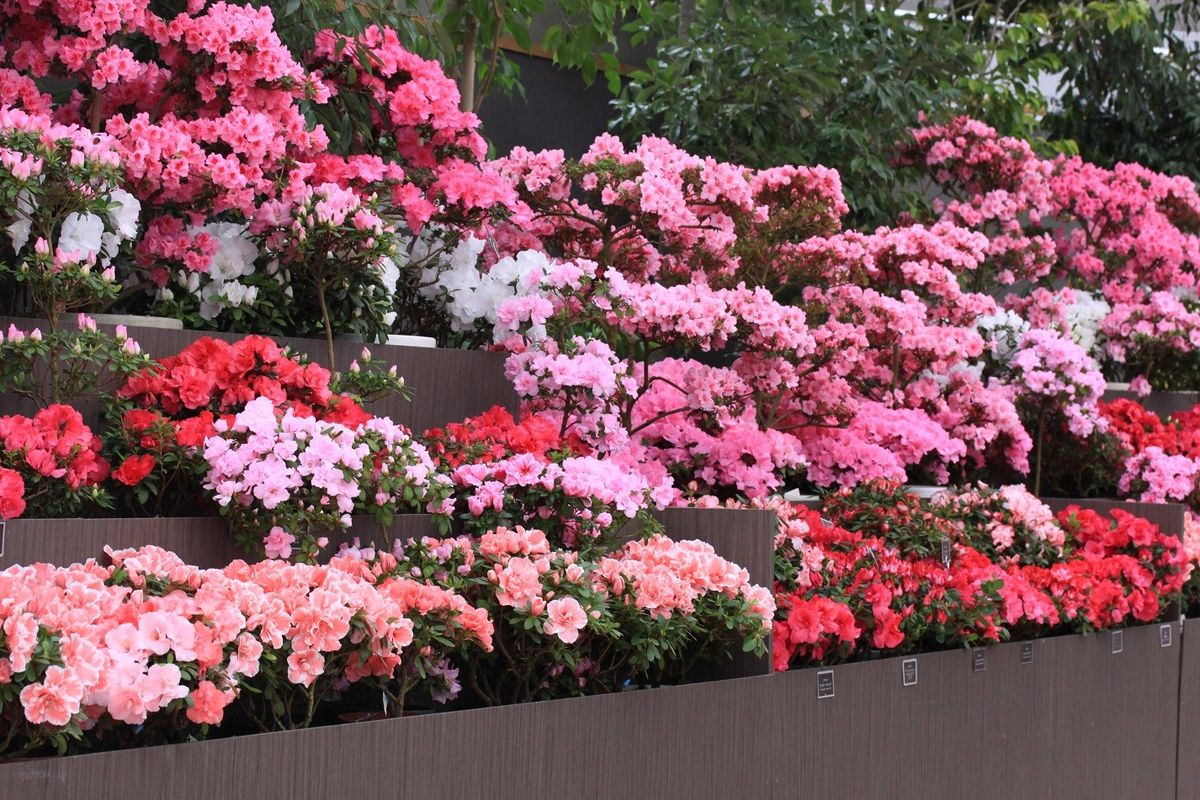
(18,230)
(81,233)
(124,213)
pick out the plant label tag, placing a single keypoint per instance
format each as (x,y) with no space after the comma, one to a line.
(1027,653)
(825,684)
(1118,641)
(978,659)
(3,528)
(1164,631)
(946,551)
(908,669)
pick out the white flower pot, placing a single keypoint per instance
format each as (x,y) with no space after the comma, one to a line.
(1113,386)
(924,492)
(139,321)
(794,496)
(411,341)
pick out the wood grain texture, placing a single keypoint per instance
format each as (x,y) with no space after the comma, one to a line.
(1189,712)
(1164,404)
(202,541)
(448,385)
(1078,722)
(745,537)
(1167,516)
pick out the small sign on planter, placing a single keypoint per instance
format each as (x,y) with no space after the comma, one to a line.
(1027,653)
(825,684)
(1164,634)
(1118,641)
(978,659)
(946,554)
(908,671)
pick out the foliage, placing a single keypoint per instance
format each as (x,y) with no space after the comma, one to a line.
(1130,88)
(766,83)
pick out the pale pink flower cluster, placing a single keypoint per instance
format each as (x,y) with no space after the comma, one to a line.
(659,577)
(270,469)
(1156,477)
(1014,507)
(1151,325)
(667,577)
(600,494)
(583,380)
(85,641)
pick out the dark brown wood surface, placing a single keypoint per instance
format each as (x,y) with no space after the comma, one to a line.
(1078,722)
(1164,404)
(1189,712)
(202,541)
(1167,516)
(448,385)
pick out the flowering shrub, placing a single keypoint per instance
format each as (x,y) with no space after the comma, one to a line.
(60,187)
(491,436)
(52,465)
(67,363)
(569,625)
(1127,233)
(890,585)
(1008,525)
(507,474)
(284,479)
(166,411)
(1057,387)
(1013,569)
(151,649)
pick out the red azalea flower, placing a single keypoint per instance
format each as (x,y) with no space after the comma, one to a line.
(134,469)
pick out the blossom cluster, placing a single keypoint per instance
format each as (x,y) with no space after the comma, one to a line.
(92,653)
(51,464)
(567,624)
(296,478)
(1127,236)
(879,568)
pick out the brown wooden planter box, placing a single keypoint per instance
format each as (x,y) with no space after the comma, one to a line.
(448,385)
(202,541)
(1167,516)
(1164,404)
(1189,712)
(1076,722)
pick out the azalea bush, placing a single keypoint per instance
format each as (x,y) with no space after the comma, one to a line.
(226,164)
(79,363)
(162,414)
(152,650)
(879,569)
(507,473)
(51,465)
(567,624)
(1127,237)
(286,480)
(66,215)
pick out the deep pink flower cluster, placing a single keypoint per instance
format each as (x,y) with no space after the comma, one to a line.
(50,460)
(688,213)
(1130,234)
